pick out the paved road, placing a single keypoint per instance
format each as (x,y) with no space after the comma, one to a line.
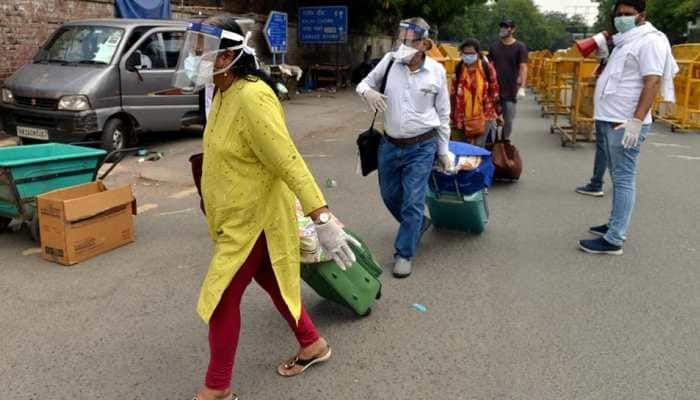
(516,313)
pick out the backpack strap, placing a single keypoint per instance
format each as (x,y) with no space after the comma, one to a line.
(487,71)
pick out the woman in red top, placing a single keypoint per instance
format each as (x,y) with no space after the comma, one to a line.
(474,97)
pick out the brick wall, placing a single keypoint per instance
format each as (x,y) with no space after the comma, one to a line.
(26,24)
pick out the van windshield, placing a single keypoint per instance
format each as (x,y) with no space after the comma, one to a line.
(81,45)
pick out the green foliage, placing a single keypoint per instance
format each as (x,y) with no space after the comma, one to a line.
(672,17)
(669,16)
(434,11)
(604,20)
(537,30)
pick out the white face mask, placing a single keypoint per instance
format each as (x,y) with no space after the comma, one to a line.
(504,33)
(405,54)
(469,58)
(625,23)
(199,71)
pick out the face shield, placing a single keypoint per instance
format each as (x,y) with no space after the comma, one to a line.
(410,34)
(196,65)
(409,37)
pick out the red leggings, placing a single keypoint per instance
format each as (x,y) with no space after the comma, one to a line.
(225,323)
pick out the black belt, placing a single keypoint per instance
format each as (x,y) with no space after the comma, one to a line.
(411,141)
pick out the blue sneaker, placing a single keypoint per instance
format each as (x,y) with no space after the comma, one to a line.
(599,246)
(589,190)
(600,230)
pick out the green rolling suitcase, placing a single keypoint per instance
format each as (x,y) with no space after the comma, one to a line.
(454,211)
(357,287)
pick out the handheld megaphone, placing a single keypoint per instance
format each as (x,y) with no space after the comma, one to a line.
(589,45)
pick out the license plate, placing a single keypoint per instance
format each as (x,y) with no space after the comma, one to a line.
(32,133)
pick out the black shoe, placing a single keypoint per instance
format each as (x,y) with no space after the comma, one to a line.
(427,223)
(589,190)
(599,246)
(600,230)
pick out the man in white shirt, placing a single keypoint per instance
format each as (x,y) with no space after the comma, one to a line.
(640,64)
(416,110)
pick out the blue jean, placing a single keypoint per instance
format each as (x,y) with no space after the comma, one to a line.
(403,180)
(600,163)
(623,171)
(508,108)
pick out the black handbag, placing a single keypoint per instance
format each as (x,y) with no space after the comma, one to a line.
(368,141)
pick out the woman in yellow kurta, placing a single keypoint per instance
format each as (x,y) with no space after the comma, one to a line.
(251,174)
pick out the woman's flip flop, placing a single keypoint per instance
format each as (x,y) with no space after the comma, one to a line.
(296,366)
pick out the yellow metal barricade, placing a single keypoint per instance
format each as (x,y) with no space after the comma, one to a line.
(542,72)
(452,56)
(536,63)
(571,86)
(558,84)
(549,81)
(580,117)
(531,62)
(685,113)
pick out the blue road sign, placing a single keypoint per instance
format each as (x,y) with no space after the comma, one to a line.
(276,32)
(323,24)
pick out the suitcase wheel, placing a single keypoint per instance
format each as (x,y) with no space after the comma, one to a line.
(379,294)
(367,313)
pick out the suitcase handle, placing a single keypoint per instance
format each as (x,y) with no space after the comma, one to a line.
(437,188)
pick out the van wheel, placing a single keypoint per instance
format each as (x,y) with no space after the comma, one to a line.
(115,135)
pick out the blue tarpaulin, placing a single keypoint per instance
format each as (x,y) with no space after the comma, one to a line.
(151,9)
(467,182)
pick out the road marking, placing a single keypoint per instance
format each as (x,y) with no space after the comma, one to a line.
(657,134)
(680,146)
(146,207)
(314,156)
(186,210)
(184,193)
(32,251)
(682,157)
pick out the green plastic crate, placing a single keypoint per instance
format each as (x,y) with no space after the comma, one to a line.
(460,213)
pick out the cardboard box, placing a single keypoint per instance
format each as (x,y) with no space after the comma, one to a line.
(83,221)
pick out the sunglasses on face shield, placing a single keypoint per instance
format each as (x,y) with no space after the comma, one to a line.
(412,42)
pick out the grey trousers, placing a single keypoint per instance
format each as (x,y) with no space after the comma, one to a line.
(508,117)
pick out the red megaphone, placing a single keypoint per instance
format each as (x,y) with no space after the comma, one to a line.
(589,45)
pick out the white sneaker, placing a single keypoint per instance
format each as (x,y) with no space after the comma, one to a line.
(402,268)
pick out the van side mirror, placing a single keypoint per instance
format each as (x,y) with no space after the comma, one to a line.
(133,60)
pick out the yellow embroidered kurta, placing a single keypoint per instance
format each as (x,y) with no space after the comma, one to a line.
(252,171)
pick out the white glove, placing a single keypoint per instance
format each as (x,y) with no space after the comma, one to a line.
(375,100)
(633,128)
(335,242)
(446,162)
(521,93)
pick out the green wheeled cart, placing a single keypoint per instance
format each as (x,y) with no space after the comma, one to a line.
(31,170)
